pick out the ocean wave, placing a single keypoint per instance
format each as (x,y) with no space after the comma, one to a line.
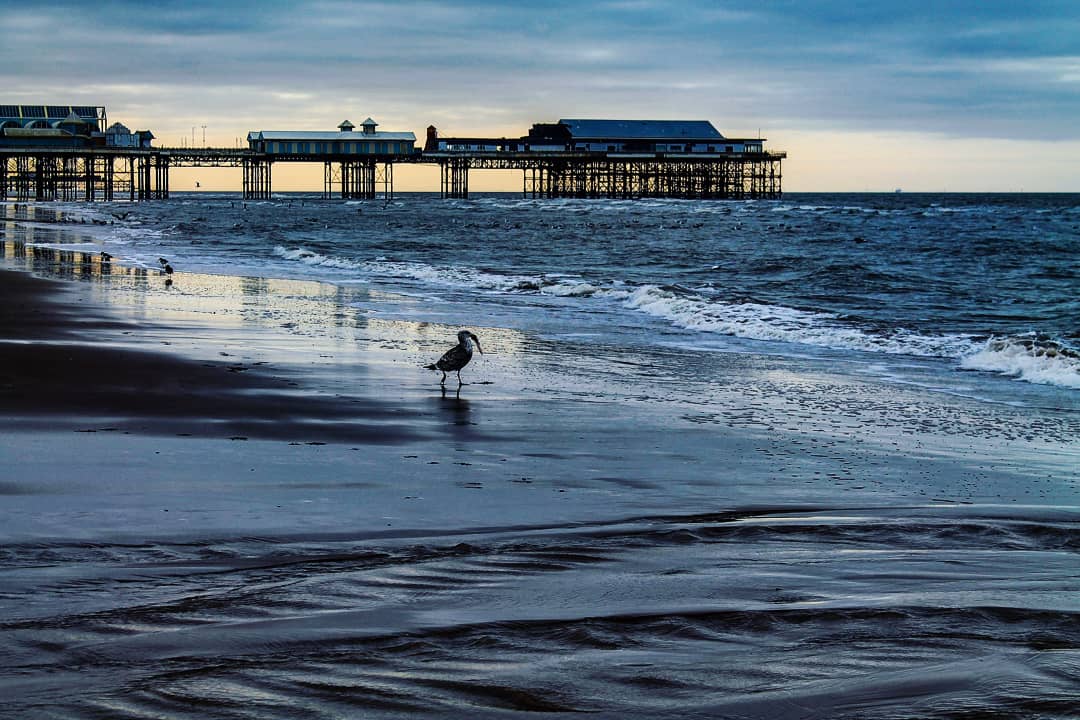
(1035,359)
(826,209)
(446,276)
(560,285)
(759,321)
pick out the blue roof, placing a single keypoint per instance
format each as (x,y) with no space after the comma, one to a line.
(643,129)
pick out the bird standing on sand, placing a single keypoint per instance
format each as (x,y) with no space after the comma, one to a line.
(457,357)
(165,266)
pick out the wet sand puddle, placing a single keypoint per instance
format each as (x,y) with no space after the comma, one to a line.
(936,611)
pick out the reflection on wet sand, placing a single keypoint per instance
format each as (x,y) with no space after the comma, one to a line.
(456,412)
(332,333)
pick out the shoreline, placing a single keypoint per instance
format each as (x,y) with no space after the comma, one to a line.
(218,362)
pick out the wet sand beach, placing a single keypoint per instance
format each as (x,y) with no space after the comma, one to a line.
(219,500)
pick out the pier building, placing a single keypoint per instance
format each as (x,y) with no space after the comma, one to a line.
(51,125)
(117,135)
(344,141)
(357,162)
(616,159)
(653,136)
(605,136)
(68,152)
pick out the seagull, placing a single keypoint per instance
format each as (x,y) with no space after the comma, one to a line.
(457,357)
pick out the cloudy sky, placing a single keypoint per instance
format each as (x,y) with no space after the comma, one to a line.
(946,95)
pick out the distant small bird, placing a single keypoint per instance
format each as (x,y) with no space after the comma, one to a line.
(105,257)
(457,357)
(165,266)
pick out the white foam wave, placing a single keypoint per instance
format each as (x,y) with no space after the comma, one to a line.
(445,276)
(757,321)
(559,285)
(314,259)
(1031,359)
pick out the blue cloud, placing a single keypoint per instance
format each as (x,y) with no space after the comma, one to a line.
(963,68)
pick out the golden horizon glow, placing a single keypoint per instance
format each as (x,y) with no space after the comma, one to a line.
(816,162)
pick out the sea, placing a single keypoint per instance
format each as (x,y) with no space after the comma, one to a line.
(966,306)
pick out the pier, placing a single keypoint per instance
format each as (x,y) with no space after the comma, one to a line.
(143,174)
(619,159)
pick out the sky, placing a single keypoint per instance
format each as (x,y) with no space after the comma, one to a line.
(964,95)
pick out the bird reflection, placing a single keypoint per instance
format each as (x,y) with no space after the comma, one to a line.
(455,410)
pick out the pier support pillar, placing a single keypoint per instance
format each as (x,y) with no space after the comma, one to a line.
(386,179)
(454,177)
(257,178)
(356,179)
(90,177)
(108,169)
(161,177)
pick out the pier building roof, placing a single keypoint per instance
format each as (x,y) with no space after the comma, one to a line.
(345,132)
(642,129)
(39,116)
(327,136)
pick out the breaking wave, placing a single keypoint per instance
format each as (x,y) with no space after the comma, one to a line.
(555,284)
(1035,359)
(758,321)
